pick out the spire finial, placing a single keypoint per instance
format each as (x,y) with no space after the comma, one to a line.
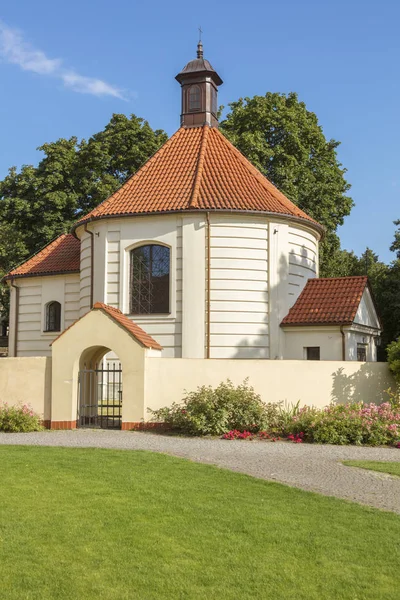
(200,45)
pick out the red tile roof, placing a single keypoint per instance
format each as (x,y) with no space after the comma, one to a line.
(197,168)
(330,301)
(60,256)
(144,338)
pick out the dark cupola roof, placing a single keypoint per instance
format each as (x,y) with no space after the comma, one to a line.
(199,66)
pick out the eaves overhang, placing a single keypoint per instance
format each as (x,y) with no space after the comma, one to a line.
(7,278)
(317,227)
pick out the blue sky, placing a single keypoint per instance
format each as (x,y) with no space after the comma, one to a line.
(66,67)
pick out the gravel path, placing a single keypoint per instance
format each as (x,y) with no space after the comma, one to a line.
(309,467)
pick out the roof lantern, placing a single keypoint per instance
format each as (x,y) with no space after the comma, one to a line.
(199,82)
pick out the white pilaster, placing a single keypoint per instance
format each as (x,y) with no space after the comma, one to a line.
(193,286)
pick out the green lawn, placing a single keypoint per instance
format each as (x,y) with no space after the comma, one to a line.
(392,468)
(82,524)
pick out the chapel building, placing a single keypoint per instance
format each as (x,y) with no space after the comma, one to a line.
(201,251)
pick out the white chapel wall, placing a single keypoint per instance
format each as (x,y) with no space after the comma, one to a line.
(328,339)
(34,294)
(258,267)
(239,287)
(366,339)
(303,260)
(366,314)
(113,240)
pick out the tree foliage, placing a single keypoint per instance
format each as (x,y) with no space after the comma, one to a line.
(39,203)
(385,284)
(394,359)
(395,247)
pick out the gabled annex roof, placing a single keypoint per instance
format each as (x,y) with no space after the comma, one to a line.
(197,169)
(144,338)
(327,301)
(116,315)
(59,257)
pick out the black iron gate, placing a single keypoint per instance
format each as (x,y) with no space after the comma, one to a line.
(100,397)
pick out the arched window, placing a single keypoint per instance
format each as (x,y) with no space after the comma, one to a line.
(53,316)
(194,98)
(149,280)
(214,107)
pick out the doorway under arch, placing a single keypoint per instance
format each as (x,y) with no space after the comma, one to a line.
(99,389)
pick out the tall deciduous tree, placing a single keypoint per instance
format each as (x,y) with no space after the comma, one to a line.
(385,283)
(395,247)
(39,203)
(285,142)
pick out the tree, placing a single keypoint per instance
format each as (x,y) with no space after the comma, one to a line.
(335,262)
(284,141)
(385,283)
(395,247)
(394,359)
(39,203)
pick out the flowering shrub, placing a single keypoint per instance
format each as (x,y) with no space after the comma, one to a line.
(352,423)
(237,412)
(209,411)
(296,438)
(18,419)
(234,434)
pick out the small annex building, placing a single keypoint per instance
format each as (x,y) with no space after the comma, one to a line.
(202,253)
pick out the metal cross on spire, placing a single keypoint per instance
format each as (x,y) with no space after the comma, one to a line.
(200,45)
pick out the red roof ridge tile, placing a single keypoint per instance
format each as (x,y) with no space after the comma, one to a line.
(193,203)
(347,277)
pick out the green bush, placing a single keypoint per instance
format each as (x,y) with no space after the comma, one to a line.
(209,411)
(393,352)
(238,409)
(19,419)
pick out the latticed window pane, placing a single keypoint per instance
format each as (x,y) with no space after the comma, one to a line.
(53,316)
(194,98)
(149,280)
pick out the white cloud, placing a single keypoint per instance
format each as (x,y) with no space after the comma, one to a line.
(15,50)
(89,85)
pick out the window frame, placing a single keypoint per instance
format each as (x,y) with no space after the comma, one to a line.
(308,350)
(361,347)
(197,108)
(47,324)
(144,315)
(214,101)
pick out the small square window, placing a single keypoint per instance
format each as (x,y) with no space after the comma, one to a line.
(313,352)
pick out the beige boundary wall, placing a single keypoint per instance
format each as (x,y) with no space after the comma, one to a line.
(160,381)
(314,383)
(27,381)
